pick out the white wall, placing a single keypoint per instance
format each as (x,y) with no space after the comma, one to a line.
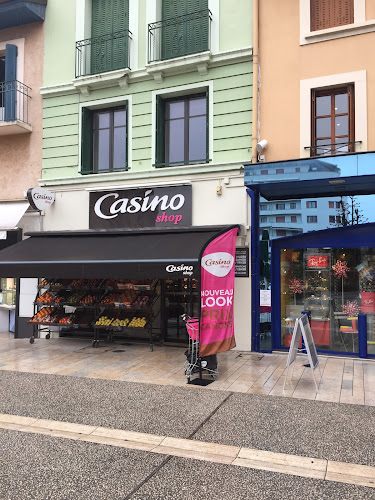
(71,212)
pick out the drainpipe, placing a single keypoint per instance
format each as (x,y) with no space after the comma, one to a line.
(255,125)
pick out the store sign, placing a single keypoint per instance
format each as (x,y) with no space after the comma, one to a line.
(317,261)
(217,293)
(40,198)
(169,206)
(242,263)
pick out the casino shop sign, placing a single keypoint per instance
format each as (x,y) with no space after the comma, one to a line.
(169,206)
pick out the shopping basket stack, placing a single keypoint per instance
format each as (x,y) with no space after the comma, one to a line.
(194,363)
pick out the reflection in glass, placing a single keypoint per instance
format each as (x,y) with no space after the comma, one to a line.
(197,107)
(176,141)
(101,149)
(197,138)
(341,125)
(323,105)
(176,109)
(341,103)
(101,120)
(119,148)
(323,127)
(119,118)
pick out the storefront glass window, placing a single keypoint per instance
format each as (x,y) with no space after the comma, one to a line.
(8,291)
(333,285)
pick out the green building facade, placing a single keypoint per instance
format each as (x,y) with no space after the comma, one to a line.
(149,94)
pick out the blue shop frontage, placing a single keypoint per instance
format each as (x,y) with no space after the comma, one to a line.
(313,251)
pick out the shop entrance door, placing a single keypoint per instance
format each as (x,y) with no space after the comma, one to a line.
(180,296)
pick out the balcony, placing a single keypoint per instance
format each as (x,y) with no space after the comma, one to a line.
(14,108)
(103,54)
(179,37)
(19,12)
(338,148)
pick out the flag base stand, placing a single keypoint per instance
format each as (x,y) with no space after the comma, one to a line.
(200,381)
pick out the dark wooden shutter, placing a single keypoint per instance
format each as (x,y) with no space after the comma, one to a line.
(351,117)
(160,132)
(330,13)
(109,31)
(184,36)
(10,86)
(86,143)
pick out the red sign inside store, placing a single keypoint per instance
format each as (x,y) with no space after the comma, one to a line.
(317,261)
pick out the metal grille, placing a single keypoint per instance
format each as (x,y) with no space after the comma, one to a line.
(178,37)
(14,101)
(106,53)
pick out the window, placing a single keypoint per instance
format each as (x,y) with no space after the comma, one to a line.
(332,127)
(109,36)
(264,172)
(104,140)
(263,219)
(185,27)
(279,170)
(331,204)
(312,219)
(293,218)
(298,169)
(280,232)
(338,204)
(280,206)
(280,218)
(293,205)
(332,219)
(330,13)
(338,219)
(263,207)
(182,130)
(311,204)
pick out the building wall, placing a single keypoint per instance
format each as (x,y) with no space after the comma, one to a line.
(229,80)
(232,116)
(284,65)
(71,212)
(21,154)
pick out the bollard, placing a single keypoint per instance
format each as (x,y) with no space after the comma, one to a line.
(362,335)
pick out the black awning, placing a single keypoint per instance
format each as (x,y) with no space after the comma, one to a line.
(172,253)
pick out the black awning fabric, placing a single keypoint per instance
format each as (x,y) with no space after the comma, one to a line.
(109,254)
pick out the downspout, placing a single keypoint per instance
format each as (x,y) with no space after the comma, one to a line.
(255,246)
(255,124)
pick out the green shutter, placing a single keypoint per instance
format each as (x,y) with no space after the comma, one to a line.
(207,126)
(86,143)
(160,132)
(109,33)
(197,29)
(187,36)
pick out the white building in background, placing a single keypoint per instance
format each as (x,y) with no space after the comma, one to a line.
(288,217)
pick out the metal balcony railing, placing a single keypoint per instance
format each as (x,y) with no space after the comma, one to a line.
(106,53)
(14,101)
(333,149)
(178,37)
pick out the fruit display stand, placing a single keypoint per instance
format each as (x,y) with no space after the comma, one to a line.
(129,314)
(102,308)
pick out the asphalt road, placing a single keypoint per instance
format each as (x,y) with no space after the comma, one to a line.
(44,467)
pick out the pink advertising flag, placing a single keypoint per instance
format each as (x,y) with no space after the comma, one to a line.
(217,292)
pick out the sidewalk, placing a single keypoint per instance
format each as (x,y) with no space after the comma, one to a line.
(62,383)
(348,380)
